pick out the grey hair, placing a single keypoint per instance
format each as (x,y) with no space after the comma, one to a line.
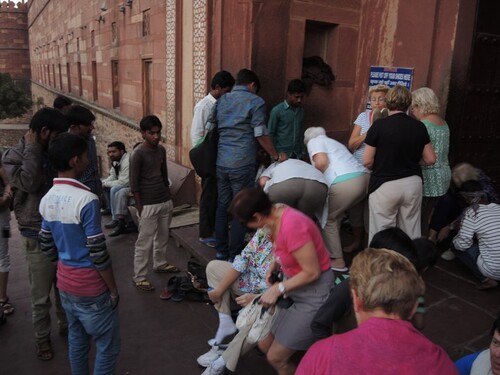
(313,132)
(425,100)
(463,172)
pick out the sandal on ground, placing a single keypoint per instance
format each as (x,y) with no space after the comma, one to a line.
(170,289)
(144,285)
(167,268)
(7,307)
(44,351)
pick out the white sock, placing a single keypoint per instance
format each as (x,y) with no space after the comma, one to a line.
(219,363)
(226,328)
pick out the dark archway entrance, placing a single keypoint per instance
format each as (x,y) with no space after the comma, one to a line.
(474,101)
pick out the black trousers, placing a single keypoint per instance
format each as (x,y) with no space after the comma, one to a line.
(208,206)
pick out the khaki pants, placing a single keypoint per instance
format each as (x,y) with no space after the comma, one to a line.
(397,204)
(341,197)
(216,271)
(154,231)
(42,277)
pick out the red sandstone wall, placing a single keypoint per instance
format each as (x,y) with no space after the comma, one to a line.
(68,40)
(14,49)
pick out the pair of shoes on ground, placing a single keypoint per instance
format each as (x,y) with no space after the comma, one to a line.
(179,288)
(44,351)
(6,306)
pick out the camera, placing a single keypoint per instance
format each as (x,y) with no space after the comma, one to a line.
(276,277)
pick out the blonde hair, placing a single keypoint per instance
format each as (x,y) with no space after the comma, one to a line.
(398,98)
(387,280)
(313,132)
(463,172)
(377,88)
(425,100)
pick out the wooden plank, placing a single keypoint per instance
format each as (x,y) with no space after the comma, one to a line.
(187,237)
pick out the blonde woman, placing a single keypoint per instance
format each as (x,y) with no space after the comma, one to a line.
(356,144)
(436,177)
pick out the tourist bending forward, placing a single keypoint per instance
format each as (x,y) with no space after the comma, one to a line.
(302,257)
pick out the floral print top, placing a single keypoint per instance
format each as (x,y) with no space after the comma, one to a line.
(254,261)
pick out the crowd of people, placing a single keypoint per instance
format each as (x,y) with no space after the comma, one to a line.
(294,188)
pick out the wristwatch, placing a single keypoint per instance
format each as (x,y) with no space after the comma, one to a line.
(281,288)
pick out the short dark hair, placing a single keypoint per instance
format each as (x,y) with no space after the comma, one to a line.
(149,122)
(248,202)
(117,144)
(296,86)
(397,240)
(60,102)
(222,79)
(246,76)
(65,147)
(427,253)
(50,118)
(79,115)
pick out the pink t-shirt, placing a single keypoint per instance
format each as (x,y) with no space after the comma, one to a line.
(377,347)
(295,231)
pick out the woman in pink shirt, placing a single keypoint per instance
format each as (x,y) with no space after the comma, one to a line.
(302,258)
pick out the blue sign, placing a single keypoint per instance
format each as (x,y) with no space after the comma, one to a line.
(390,76)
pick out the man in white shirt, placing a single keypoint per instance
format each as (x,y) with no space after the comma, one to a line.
(222,83)
(118,179)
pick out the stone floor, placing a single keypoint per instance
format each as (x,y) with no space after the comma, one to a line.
(164,337)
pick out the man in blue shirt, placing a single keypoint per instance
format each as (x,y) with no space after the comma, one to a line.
(241,119)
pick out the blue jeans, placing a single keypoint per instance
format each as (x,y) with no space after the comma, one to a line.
(110,195)
(230,181)
(92,317)
(469,258)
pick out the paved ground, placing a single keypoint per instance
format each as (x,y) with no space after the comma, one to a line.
(164,337)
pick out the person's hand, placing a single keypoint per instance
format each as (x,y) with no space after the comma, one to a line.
(283,156)
(270,297)
(215,296)
(245,299)
(30,137)
(443,234)
(139,209)
(115,300)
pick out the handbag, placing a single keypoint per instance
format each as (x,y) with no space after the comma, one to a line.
(203,155)
(257,319)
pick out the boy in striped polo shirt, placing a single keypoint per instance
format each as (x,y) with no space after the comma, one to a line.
(71,235)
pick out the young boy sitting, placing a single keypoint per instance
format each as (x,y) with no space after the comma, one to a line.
(71,234)
(286,122)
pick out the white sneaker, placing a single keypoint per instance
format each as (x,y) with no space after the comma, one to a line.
(448,255)
(205,360)
(212,370)
(212,342)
